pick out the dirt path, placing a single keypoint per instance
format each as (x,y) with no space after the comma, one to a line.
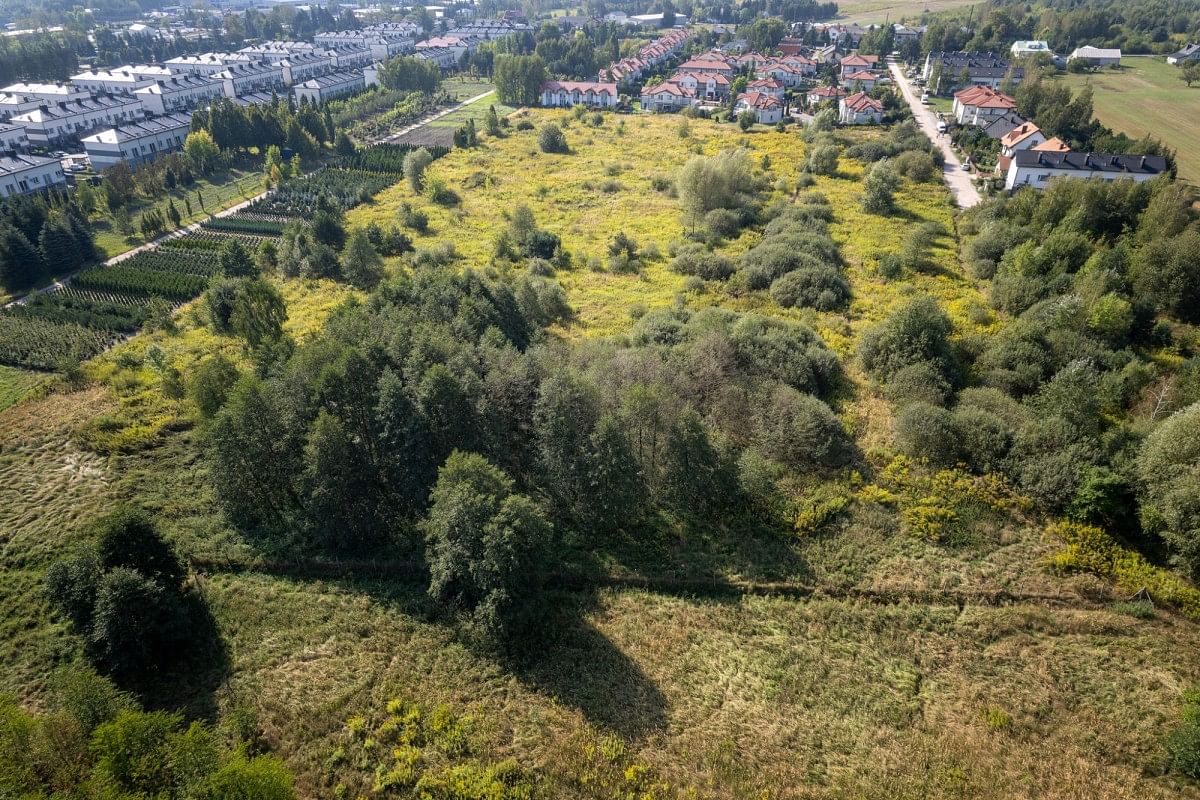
(957,178)
(391,137)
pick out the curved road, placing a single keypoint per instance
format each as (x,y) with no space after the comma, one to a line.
(957,178)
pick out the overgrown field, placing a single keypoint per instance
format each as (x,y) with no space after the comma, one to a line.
(952,661)
(1147,97)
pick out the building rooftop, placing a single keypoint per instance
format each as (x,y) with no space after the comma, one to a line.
(136,130)
(1092,162)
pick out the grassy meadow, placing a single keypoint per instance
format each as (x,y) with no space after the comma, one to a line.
(1146,97)
(633,693)
(16,383)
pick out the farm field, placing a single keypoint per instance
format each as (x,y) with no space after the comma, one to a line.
(218,194)
(1147,97)
(878,11)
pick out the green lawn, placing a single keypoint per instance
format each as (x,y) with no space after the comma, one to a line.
(1146,96)
(466,87)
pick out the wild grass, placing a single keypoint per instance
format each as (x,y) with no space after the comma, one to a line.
(16,384)
(629,692)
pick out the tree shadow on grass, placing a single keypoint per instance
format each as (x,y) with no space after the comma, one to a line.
(190,680)
(568,658)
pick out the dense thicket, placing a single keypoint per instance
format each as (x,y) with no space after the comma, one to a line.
(338,444)
(1086,398)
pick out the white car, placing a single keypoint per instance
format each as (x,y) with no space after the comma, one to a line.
(925,99)
(941,127)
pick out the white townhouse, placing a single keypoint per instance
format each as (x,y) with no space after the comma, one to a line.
(51,124)
(326,87)
(381,44)
(457,44)
(207,63)
(114,82)
(786,74)
(137,142)
(13,104)
(179,93)
(241,78)
(444,57)
(667,96)
(28,174)
(47,92)
(302,66)
(767,86)
(1036,168)
(275,51)
(344,58)
(13,138)
(255,99)
(564,94)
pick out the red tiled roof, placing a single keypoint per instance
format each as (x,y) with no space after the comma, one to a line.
(862,102)
(1019,134)
(861,75)
(1055,145)
(580,86)
(758,100)
(828,91)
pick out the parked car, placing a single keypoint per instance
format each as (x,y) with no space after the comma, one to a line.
(941,127)
(925,98)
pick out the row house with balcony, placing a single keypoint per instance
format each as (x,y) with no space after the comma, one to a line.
(137,142)
(51,124)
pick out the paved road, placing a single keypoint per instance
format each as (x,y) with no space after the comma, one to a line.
(957,178)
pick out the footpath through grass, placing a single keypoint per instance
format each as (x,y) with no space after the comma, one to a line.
(216,193)
(1146,97)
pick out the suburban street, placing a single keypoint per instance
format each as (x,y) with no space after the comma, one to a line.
(957,178)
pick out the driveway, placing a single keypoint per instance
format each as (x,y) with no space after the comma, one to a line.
(958,179)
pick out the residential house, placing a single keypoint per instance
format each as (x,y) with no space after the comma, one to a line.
(769,86)
(21,174)
(457,44)
(137,142)
(1097,56)
(382,43)
(784,73)
(999,126)
(1024,49)
(299,67)
(564,94)
(969,69)
(315,91)
(902,34)
(1023,137)
(821,94)
(344,58)
(803,64)
(861,79)
(631,69)
(978,104)
(119,81)
(667,96)
(13,138)
(47,92)
(710,86)
(207,63)
(791,47)
(1190,52)
(50,124)
(259,77)
(709,62)
(1036,168)
(444,57)
(276,51)
(860,109)
(179,93)
(767,109)
(826,55)
(857,63)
